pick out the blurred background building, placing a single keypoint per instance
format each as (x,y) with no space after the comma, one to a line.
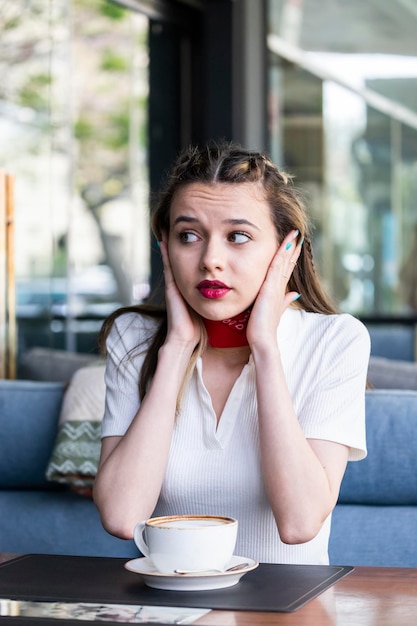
(97,97)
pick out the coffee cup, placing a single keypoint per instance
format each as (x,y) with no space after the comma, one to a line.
(187,543)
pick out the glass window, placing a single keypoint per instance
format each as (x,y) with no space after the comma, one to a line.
(73,108)
(342,119)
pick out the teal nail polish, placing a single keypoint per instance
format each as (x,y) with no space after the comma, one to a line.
(288,246)
(297,297)
(302,241)
(158,243)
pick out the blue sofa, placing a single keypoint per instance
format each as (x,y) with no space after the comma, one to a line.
(375,520)
(37,515)
(374,523)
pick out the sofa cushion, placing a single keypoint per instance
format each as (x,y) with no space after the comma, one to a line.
(393,341)
(392,374)
(77,447)
(53,365)
(56,522)
(388,475)
(377,536)
(29,414)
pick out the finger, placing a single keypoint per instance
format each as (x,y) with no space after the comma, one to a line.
(287,246)
(290,297)
(280,266)
(288,242)
(290,253)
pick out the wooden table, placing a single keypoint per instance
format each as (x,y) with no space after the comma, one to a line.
(368,596)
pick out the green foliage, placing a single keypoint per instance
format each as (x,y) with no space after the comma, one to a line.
(119,123)
(83,129)
(112,62)
(142,40)
(35,92)
(13,22)
(112,11)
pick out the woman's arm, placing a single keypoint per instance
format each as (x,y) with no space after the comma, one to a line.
(132,467)
(302,476)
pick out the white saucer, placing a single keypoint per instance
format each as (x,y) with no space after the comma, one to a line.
(191,582)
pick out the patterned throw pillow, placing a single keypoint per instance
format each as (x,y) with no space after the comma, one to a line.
(76,450)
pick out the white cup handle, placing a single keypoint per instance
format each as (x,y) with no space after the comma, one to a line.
(138,538)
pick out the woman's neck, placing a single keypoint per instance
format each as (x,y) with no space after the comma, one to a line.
(228,333)
(231,357)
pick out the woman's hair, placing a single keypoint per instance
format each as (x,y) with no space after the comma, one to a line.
(230,164)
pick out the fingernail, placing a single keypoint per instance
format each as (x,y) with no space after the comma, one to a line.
(297,297)
(158,243)
(302,241)
(288,246)
(295,234)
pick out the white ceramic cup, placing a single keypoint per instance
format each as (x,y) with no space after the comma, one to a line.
(187,542)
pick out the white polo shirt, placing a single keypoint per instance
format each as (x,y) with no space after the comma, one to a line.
(215,469)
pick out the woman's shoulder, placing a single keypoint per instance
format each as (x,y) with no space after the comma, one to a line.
(132,328)
(340,328)
(335,320)
(134,321)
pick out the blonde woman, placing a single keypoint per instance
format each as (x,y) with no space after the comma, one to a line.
(244,394)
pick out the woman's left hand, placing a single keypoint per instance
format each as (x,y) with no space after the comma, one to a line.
(273,298)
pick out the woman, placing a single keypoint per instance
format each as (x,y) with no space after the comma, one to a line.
(244,396)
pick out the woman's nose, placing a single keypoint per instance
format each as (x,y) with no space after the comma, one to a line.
(213,256)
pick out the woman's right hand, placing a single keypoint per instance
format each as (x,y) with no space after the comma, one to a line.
(184,326)
(132,467)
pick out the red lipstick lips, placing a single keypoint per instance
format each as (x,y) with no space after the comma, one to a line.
(212,289)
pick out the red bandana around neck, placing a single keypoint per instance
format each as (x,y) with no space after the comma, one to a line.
(230,333)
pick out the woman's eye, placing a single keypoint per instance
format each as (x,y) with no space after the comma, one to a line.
(239,237)
(187,237)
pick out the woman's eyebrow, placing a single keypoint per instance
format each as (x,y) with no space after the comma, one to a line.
(232,221)
(240,222)
(185,218)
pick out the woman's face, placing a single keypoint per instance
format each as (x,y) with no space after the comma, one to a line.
(221,242)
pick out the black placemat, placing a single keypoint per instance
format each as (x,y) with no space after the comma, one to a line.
(270,587)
